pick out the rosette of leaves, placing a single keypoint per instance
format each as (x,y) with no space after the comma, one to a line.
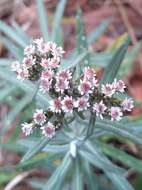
(93,166)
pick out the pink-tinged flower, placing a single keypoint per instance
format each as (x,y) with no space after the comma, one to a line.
(29,50)
(100,109)
(119,85)
(42,48)
(39,117)
(108,90)
(51,45)
(116,113)
(28,61)
(89,73)
(94,83)
(68,104)
(38,42)
(44,85)
(27,128)
(84,87)
(22,73)
(82,103)
(64,74)
(56,105)
(48,74)
(15,66)
(127,104)
(45,63)
(48,130)
(54,62)
(58,52)
(61,85)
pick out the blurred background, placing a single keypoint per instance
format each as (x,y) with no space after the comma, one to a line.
(126,17)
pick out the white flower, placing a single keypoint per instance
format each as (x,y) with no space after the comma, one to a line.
(73,149)
(38,42)
(127,104)
(64,74)
(45,63)
(119,85)
(48,74)
(22,73)
(28,61)
(68,104)
(48,130)
(54,62)
(100,109)
(56,105)
(84,87)
(29,50)
(44,85)
(15,66)
(61,85)
(89,73)
(27,128)
(108,90)
(82,103)
(116,113)
(51,46)
(58,52)
(94,83)
(39,117)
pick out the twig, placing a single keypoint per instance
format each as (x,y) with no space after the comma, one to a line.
(17,180)
(126,21)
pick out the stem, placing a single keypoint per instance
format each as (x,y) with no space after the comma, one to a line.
(91,126)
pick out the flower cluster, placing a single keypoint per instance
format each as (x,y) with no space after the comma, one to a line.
(69,97)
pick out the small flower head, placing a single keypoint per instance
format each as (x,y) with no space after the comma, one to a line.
(28,61)
(100,109)
(48,130)
(45,63)
(119,85)
(108,90)
(48,74)
(39,117)
(116,113)
(68,104)
(61,85)
(84,87)
(127,104)
(58,52)
(82,103)
(29,50)
(64,74)
(89,73)
(22,73)
(44,85)
(56,105)
(15,66)
(27,128)
(54,62)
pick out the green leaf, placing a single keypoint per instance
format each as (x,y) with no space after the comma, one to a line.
(14,49)
(99,162)
(123,132)
(9,32)
(5,62)
(6,91)
(97,32)
(43,19)
(122,156)
(71,64)
(77,177)
(26,100)
(111,70)
(35,149)
(21,33)
(59,174)
(119,181)
(57,19)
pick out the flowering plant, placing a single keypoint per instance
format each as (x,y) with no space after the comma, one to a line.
(67,111)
